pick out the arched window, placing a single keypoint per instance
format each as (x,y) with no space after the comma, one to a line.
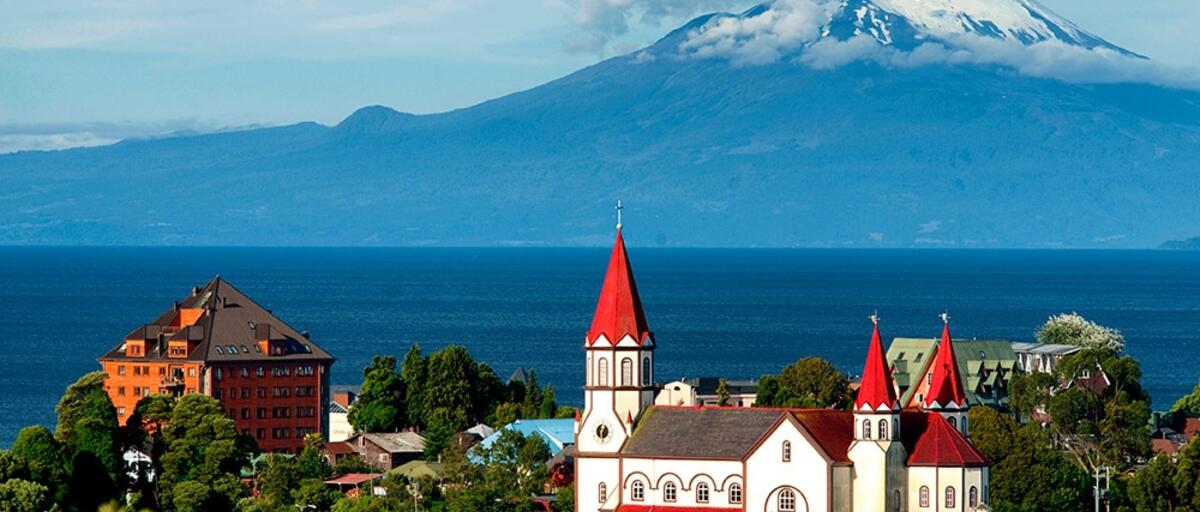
(924,496)
(701,492)
(669,491)
(627,372)
(896,501)
(602,492)
(735,494)
(603,380)
(964,425)
(787,451)
(646,371)
(639,491)
(866,429)
(950,500)
(883,429)
(787,501)
(973,496)
(953,421)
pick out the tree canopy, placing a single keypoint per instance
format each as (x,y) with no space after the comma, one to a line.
(1073,329)
(810,382)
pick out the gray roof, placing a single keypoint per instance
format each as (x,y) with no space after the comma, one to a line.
(1045,348)
(699,432)
(228,330)
(397,442)
(708,385)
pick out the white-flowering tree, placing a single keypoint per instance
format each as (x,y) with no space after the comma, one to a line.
(1073,329)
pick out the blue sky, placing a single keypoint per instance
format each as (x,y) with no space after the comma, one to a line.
(77,73)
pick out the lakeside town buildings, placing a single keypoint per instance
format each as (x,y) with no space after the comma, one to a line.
(635,456)
(272,380)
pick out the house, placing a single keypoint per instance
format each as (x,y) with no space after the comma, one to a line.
(387,450)
(633,455)
(138,465)
(1041,357)
(557,433)
(1095,380)
(272,380)
(354,485)
(340,428)
(703,391)
(986,367)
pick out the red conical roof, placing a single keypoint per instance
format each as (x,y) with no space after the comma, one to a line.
(619,310)
(942,445)
(876,391)
(946,389)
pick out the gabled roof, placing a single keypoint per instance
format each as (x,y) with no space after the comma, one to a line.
(931,441)
(876,392)
(226,325)
(946,390)
(619,309)
(394,442)
(731,433)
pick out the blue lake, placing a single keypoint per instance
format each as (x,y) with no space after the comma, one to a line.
(736,313)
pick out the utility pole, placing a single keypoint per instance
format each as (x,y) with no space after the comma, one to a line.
(1098,491)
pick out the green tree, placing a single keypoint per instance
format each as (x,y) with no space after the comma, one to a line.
(1073,329)
(352,463)
(1106,429)
(310,463)
(566,499)
(363,504)
(722,393)
(992,432)
(810,382)
(38,450)
(18,495)
(203,456)
(312,492)
(506,413)
(1188,405)
(1029,391)
(380,406)
(275,477)
(1152,488)
(413,372)
(549,405)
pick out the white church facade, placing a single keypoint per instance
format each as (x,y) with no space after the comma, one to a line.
(634,456)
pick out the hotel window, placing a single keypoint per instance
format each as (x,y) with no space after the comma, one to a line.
(261,392)
(260,433)
(162,370)
(646,371)
(669,491)
(137,391)
(787,451)
(787,501)
(120,369)
(603,381)
(245,392)
(121,412)
(735,494)
(866,429)
(627,372)
(702,492)
(950,501)
(246,413)
(245,372)
(217,373)
(259,372)
(923,497)
(883,429)
(121,391)
(639,491)
(602,492)
(973,497)
(192,371)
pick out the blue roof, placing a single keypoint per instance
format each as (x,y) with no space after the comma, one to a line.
(557,433)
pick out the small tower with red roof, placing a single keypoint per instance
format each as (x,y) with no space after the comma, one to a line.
(946,395)
(877,450)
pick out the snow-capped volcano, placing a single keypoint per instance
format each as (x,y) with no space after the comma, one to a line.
(783,26)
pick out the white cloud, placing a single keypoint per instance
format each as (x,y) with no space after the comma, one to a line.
(50,142)
(604,21)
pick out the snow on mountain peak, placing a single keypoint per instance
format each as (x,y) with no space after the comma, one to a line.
(772,30)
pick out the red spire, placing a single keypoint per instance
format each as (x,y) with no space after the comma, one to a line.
(946,390)
(628,418)
(619,310)
(876,391)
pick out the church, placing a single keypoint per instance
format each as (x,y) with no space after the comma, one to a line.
(634,456)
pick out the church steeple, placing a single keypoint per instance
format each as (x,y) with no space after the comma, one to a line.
(876,393)
(619,310)
(946,388)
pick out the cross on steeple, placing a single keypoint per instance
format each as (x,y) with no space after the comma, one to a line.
(874,318)
(945,316)
(619,208)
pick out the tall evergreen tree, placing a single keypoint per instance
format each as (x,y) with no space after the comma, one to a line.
(380,406)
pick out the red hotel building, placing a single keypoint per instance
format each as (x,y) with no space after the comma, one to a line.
(272,380)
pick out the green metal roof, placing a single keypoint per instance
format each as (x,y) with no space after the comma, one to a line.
(911,356)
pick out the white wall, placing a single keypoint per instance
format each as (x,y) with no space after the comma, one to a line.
(809,473)
(339,427)
(687,475)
